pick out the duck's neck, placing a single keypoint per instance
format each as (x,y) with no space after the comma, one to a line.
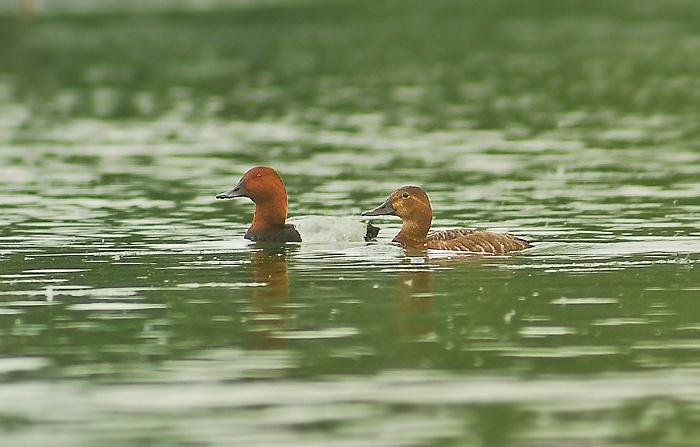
(269,214)
(414,232)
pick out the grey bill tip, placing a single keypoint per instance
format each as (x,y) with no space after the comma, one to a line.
(232,193)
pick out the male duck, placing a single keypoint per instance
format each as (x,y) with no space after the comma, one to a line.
(412,205)
(264,186)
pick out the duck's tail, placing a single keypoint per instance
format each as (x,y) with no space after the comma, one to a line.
(372,232)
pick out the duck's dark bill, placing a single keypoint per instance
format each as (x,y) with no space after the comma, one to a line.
(237,191)
(385,209)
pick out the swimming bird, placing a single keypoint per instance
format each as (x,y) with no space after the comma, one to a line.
(264,186)
(412,205)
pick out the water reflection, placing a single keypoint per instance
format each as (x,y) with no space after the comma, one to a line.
(268,311)
(414,298)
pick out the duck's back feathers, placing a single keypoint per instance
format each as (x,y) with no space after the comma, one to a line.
(477,241)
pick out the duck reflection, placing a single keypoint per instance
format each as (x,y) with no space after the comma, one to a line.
(414,296)
(268,308)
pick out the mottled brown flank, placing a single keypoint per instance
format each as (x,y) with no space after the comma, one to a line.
(412,205)
(477,241)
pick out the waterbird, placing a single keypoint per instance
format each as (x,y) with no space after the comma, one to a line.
(412,205)
(264,186)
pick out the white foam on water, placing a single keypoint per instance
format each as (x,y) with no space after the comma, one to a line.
(329,229)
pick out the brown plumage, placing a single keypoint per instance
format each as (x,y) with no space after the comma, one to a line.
(412,205)
(478,241)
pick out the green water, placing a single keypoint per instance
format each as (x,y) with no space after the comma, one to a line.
(133,313)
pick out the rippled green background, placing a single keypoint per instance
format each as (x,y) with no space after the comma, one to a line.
(132,312)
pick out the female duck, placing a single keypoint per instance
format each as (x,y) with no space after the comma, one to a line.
(264,186)
(412,205)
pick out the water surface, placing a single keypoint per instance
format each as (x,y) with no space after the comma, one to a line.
(132,312)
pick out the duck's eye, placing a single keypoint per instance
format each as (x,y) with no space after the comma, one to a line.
(258,175)
(405,195)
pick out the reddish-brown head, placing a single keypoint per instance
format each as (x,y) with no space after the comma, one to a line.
(264,186)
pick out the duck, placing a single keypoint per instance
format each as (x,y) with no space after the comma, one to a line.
(265,187)
(412,205)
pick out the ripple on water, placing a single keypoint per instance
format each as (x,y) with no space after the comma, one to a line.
(33,280)
(19,364)
(622,321)
(226,285)
(545,331)
(583,301)
(339,332)
(115,306)
(561,352)
(27,303)
(414,389)
(222,365)
(81,291)
(675,345)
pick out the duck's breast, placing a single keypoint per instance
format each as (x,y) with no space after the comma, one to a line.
(330,229)
(477,241)
(287,233)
